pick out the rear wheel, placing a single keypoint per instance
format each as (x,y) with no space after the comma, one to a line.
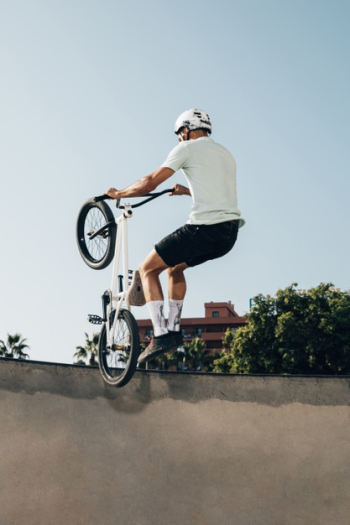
(99,251)
(118,363)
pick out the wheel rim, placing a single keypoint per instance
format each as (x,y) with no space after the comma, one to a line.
(116,360)
(97,247)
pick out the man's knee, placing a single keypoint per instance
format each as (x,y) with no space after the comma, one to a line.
(147,269)
(153,264)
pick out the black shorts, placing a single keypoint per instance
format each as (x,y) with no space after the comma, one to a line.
(195,244)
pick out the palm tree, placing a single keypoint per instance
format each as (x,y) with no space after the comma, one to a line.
(14,347)
(196,355)
(89,351)
(165,361)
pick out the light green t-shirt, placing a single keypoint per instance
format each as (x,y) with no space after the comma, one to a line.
(210,170)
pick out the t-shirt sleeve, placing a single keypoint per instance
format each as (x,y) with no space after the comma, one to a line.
(177,157)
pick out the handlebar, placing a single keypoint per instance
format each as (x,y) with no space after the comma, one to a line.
(150,197)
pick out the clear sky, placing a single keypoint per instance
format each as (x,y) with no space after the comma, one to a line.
(89,93)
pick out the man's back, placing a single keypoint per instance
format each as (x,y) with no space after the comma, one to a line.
(210,170)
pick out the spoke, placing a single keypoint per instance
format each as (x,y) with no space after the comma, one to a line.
(117,358)
(98,246)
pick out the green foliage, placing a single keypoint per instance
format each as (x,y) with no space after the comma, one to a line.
(224,363)
(164,361)
(195,358)
(296,332)
(14,347)
(195,354)
(88,352)
(228,339)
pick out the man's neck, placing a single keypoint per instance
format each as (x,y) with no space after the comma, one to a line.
(197,134)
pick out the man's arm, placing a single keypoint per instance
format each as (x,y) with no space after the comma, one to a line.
(142,186)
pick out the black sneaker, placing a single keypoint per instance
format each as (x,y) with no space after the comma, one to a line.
(178,337)
(159,345)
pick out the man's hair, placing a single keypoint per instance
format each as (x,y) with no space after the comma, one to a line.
(206,131)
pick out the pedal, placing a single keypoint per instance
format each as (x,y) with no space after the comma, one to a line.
(95,319)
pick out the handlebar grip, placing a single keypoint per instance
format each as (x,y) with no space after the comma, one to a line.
(99,198)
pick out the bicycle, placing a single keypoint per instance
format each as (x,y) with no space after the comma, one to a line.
(101,238)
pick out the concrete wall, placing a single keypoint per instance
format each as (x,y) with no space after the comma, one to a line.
(171,449)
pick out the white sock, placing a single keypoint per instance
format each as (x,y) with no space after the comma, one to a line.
(175,308)
(156,309)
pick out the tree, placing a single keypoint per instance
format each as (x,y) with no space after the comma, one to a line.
(296,332)
(224,361)
(89,351)
(14,347)
(197,357)
(165,361)
(194,358)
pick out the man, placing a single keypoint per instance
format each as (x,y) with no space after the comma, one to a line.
(210,232)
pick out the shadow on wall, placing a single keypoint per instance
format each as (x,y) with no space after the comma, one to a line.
(147,387)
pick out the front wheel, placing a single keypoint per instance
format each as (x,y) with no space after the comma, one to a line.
(99,251)
(118,362)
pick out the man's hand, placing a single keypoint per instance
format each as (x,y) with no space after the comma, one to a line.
(143,186)
(113,193)
(178,189)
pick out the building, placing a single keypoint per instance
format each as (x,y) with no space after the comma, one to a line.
(218,317)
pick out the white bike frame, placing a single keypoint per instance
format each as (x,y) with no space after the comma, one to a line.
(117,294)
(120,282)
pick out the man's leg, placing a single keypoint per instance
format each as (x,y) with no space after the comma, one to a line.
(150,269)
(177,291)
(177,282)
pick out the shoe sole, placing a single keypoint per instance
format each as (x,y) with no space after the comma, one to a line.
(155,353)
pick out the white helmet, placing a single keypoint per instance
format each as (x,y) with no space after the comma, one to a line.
(193,119)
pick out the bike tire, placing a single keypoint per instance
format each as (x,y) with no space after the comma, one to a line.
(97,253)
(118,365)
